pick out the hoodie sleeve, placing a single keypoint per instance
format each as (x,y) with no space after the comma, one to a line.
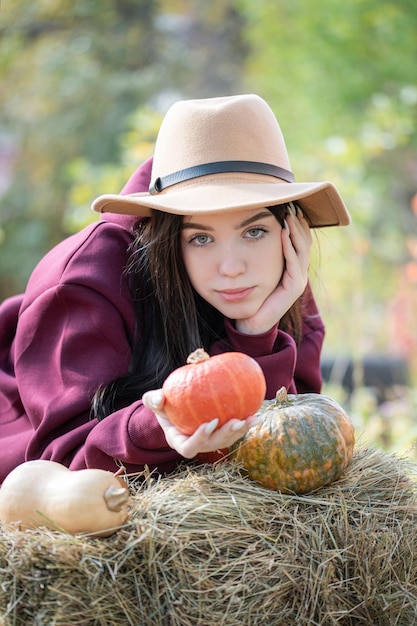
(73,335)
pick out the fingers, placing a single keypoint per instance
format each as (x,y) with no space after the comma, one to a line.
(297,231)
(298,225)
(219,438)
(295,209)
(153,399)
(296,244)
(206,438)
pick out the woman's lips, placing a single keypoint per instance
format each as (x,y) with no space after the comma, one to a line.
(235,295)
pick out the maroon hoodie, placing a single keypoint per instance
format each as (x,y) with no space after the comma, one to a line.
(72,331)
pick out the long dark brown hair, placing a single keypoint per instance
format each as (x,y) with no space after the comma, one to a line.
(172,320)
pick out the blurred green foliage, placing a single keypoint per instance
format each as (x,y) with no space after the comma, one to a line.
(391,426)
(84,85)
(342,80)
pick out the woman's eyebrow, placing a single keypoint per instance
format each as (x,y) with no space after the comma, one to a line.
(196,226)
(254,218)
(246,222)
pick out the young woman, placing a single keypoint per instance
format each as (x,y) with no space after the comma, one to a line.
(214,254)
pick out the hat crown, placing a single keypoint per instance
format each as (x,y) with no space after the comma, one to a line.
(233,128)
(225,154)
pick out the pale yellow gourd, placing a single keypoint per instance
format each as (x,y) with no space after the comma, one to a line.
(46,493)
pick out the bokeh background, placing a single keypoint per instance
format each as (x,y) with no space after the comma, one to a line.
(84,85)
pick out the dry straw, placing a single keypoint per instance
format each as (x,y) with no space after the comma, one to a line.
(207,547)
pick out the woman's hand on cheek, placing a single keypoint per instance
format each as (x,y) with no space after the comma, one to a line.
(207,437)
(296,244)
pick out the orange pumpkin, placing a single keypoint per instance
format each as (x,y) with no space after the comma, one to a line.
(225,386)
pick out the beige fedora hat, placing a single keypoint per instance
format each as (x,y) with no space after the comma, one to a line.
(225,154)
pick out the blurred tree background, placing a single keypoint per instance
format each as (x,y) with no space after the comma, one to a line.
(85,84)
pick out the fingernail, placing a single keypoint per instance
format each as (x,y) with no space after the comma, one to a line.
(156,399)
(291,209)
(300,212)
(254,421)
(211,426)
(238,425)
(287,228)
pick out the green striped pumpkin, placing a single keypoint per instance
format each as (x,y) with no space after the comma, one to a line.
(302,442)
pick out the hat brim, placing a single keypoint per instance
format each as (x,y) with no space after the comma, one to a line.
(321,202)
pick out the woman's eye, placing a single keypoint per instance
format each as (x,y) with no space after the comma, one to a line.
(255,233)
(200,240)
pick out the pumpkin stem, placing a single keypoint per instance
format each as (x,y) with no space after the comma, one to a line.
(198,356)
(115,499)
(281,395)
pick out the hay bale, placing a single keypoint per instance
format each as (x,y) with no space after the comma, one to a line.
(207,546)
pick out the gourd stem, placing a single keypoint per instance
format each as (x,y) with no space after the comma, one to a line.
(198,356)
(115,498)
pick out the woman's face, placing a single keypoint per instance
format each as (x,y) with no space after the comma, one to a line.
(234,259)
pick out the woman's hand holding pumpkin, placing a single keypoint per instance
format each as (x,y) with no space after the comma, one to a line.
(296,244)
(207,437)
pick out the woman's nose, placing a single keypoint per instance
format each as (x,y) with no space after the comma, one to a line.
(231,263)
